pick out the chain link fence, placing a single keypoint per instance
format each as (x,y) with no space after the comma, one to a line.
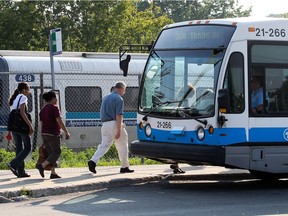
(80,91)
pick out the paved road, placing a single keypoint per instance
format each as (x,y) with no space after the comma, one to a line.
(221,195)
(80,179)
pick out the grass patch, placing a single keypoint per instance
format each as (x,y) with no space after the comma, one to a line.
(25,191)
(70,158)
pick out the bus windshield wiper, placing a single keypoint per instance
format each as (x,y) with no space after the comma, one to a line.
(190,89)
(157,106)
(184,114)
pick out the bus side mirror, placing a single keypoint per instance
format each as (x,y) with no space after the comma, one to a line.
(223,100)
(124,65)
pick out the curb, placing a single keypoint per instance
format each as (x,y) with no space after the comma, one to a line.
(26,193)
(52,191)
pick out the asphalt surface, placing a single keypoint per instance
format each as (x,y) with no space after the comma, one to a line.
(81,179)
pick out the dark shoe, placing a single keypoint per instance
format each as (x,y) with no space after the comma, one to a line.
(41,169)
(91,166)
(54,176)
(23,175)
(176,169)
(126,170)
(14,171)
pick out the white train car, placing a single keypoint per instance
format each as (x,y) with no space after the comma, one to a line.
(81,81)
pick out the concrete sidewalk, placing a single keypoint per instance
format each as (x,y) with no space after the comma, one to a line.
(81,179)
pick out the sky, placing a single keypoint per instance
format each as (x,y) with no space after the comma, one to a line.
(262,8)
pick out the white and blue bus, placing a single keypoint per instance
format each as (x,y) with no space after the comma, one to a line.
(81,81)
(195,97)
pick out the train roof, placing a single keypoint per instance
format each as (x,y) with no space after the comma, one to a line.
(68,62)
(99,55)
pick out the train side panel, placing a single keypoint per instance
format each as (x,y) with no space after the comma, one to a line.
(80,83)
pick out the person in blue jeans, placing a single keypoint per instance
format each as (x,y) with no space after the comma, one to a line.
(22,141)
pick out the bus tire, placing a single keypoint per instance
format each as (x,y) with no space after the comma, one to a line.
(265,176)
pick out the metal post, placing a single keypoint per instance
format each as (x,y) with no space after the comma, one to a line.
(41,89)
(52,62)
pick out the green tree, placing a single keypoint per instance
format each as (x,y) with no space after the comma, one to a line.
(222,9)
(99,26)
(284,15)
(17,25)
(184,10)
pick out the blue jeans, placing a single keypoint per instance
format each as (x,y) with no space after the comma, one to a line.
(23,148)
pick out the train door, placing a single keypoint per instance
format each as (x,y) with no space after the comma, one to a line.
(34,106)
(4,108)
(35,103)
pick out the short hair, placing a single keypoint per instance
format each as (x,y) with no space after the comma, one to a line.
(256,79)
(120,84)
(48,96)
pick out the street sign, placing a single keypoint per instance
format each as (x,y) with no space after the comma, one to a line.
(56,41)
(55,46)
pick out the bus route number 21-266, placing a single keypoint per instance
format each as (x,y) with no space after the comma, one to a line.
(163,124)
(271,32)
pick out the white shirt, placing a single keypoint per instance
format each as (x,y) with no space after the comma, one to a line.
(23,100)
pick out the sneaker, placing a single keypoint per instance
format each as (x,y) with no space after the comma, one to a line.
(54,176)
(126,170)
(23,175)
(14,171)
(91,166)
(41,169)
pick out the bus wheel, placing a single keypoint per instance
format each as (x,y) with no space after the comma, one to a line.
(265,176)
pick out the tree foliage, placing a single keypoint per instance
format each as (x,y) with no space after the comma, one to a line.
(100,26)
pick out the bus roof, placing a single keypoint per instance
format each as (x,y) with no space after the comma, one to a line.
(247,28)
(231,21)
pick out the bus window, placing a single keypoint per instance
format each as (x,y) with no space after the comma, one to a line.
(272,58)
(83,99)
(234,82)
(277,90)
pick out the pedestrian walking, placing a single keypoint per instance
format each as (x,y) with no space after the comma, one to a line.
(22,140)
(111,113)
(51,125)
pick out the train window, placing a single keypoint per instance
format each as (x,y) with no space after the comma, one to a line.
(130,99)
(83,99)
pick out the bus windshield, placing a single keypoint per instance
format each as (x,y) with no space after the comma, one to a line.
(187,76)
(183,67)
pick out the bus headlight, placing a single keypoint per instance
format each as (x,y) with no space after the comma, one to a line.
(200,133)
(148,130)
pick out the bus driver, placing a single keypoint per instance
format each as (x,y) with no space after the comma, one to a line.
(257,95)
